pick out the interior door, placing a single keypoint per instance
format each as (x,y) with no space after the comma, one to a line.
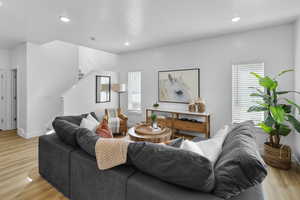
(8,99)
(2,100)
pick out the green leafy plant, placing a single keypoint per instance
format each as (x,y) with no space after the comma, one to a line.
(155,105)
(153,117)
(280,118)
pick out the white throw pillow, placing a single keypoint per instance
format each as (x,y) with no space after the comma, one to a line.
(191,146)
(211,148)
(89,123)
(91,118)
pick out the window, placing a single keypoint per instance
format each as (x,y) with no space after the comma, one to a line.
(241,100)
(134,91)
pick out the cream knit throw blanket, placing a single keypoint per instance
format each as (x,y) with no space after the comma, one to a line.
(111,152)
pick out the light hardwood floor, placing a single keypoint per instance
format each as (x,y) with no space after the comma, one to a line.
(19,178)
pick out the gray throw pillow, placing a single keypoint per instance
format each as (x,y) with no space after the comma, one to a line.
(173,165)
(240,165)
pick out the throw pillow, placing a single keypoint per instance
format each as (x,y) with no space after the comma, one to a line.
(191,146)
(173,165)
(103,130)
(240,165)
(89,123)
(210,148)
(91,118)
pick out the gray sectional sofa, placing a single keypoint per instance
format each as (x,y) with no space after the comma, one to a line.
(74,173)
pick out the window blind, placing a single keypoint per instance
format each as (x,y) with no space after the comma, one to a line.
(241,100)
(134,91)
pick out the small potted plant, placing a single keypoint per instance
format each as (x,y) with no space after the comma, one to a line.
(156,105)
(279,119)
(154,121)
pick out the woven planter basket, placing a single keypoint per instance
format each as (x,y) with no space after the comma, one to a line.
(277,157)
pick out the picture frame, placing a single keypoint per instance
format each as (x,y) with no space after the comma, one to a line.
(178,85)
(103,89)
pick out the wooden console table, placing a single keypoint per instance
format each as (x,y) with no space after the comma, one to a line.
(176,124)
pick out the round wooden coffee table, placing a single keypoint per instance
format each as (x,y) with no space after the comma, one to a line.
(155,137)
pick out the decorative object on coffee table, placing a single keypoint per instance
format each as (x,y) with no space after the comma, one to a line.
(279,119)
(144,132)
(154,120)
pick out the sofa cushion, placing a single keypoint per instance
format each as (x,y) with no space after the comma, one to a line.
(54,162)
(90,183)
(142,186)
(76,119)
(172,165)
(239,166)
(66,131)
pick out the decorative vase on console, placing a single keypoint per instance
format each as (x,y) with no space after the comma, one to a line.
(154,121)
(200,104)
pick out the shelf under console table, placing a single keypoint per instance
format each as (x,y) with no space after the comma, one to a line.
(200,125)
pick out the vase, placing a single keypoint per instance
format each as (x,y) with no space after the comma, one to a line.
(154,125)
(279,157)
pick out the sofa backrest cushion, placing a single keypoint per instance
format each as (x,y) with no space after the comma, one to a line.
(173,165)
(66,131)
(87,139)
(240,165)
(76,119)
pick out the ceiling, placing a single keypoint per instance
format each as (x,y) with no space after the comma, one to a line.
(142,23)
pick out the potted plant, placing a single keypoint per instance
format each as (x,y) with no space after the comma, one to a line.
(156,105)
(279,119)
(154,121)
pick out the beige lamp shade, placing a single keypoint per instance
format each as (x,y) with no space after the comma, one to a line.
(119,87)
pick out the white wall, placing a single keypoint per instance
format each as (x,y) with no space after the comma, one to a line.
(5,59)
(51,69)
(92,59)
(296,137)
(82,99)
(214,57)
(44,73)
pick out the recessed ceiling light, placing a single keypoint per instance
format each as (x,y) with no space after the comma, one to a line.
(64,19)
(126,43)
(235,19)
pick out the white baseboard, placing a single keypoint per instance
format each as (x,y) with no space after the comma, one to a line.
(21,132)
(35,134)
(29,135)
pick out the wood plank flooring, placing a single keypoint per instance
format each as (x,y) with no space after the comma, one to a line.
(19,178)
